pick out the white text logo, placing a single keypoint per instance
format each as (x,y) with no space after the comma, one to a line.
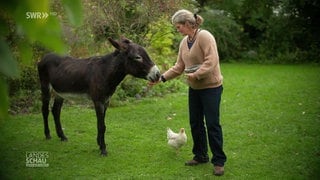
(37,159)
(39,15)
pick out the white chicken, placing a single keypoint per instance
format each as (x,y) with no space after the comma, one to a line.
(176,140)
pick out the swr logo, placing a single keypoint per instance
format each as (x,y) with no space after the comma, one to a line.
(36,15)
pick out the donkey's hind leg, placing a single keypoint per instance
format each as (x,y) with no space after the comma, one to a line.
(45,114)
(45,95)
(56,110)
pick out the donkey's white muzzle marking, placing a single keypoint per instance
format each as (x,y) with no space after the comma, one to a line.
(154,74)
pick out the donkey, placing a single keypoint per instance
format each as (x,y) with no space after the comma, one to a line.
(97,77)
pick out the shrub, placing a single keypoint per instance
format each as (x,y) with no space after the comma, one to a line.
(24,91)
(28,80)
(161,41)
(226,32)
(160,36)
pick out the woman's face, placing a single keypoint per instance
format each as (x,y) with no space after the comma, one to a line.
(183,29)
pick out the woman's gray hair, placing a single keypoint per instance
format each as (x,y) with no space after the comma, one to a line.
(182,16)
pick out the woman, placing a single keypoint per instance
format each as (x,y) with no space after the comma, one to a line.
(198,59)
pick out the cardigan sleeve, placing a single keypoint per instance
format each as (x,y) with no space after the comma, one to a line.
(177,69)
(208,47)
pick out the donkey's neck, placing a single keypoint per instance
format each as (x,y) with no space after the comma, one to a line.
(118,71)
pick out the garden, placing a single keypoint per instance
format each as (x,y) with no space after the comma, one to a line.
(270,109)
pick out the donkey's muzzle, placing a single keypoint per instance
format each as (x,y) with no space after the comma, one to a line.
(154,74)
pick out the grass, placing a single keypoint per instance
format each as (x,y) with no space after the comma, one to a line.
(270,116)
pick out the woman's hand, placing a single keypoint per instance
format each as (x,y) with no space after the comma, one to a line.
(153,83)
(191,76)
(150,83)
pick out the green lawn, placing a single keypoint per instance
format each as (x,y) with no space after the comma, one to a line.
(270,116)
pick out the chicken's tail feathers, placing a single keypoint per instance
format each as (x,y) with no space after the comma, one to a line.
(169,130)
(169,133)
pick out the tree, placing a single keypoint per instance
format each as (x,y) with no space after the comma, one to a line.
(303,16)
(278,30)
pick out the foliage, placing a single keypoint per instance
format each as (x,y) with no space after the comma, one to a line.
(254,16)
(111,18)
(285,31)
(226,32)
(288,40)
(28,80)
(269,133)
(160,36)
(303,28)
(19,30)
(24,91)
(162,39)
(132,89)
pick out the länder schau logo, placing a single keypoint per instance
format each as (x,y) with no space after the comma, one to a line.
(37,159)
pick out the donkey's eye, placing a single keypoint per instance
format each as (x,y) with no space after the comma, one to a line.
(138,58)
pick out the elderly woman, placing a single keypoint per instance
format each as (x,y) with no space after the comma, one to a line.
(198,59)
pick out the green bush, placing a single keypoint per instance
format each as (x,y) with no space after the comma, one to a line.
(25,101)
(277,45)
(24,92)
(160,36)
(226,32)
(28,80)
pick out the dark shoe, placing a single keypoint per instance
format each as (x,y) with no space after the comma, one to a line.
(194,162)
(218,170)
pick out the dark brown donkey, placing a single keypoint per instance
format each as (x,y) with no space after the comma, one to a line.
(97,77)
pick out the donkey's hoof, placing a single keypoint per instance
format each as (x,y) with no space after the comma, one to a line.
(64,139)
(48,137)
(103,153)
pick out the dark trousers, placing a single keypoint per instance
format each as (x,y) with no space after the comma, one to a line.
(205,104)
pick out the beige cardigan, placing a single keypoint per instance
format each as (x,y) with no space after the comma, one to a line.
(203,51)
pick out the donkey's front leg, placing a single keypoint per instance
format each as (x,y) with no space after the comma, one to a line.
(100,108)
(56,111)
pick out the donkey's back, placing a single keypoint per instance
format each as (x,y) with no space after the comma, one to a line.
(68,74)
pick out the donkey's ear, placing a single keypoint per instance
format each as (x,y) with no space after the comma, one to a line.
(121,46)
(114,43)
(125,40)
